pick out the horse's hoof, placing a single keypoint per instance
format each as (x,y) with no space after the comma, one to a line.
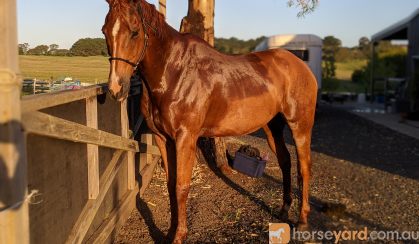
(179,240)
(179,237)
(303,227)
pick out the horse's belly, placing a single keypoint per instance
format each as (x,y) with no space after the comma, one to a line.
(240,117)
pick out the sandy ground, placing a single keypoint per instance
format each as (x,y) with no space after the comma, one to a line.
(364,175)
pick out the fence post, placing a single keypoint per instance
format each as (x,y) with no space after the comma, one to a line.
(92,150)
(130,155)
(14,219)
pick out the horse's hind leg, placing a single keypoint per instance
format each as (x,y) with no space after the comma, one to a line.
(274,133)
(301,131)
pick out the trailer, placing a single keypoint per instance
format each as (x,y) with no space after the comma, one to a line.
(307,47)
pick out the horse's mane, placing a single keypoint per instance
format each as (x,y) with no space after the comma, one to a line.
(154,19)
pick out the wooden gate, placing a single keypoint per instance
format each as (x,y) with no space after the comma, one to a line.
(81,162)
(83,173)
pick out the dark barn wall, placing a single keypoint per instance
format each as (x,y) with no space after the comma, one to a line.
(413,36)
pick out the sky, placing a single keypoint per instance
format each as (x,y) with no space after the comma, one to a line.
(63,22)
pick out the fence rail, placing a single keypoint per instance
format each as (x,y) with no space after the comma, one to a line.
(42,101)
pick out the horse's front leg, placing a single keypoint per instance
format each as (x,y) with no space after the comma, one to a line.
(185,155)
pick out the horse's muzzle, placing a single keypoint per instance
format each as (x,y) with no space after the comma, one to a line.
(120,95)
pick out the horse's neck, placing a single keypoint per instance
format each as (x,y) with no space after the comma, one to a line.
(156,57)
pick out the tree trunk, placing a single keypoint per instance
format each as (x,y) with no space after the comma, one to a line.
(162,7)
(200,22)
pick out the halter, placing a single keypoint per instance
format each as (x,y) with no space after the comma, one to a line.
(135,65)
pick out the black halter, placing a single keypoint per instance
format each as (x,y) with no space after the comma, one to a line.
(135,65)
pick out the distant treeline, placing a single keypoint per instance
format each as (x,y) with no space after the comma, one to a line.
(234,45)
(97,47)
(82,47)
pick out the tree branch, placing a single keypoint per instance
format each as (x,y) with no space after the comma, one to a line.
(305,6)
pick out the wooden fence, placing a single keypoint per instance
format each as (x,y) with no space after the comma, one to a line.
(82,163)
(69,171)
(35,87)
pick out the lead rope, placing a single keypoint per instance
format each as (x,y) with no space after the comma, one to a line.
(29,199)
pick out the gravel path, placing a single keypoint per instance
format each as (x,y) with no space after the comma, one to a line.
(364,175)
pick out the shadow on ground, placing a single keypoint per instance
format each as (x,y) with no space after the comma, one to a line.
(343,135)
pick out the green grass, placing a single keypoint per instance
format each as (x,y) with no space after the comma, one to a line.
(86,69)
(344,70)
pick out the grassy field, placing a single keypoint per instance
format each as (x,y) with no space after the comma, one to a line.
(343,82)
(86,69)
(344,70)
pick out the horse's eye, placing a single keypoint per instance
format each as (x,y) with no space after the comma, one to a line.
(134,34)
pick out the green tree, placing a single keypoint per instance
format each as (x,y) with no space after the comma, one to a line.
(89,47)
(62,52)
(23,48)
(365,46)
(332,43)
(331,46)
(52,49)
(390,61)
(39,50)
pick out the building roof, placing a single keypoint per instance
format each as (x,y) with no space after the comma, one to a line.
(397,31)
(300,41)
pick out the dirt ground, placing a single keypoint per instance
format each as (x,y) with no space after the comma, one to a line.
(364,175)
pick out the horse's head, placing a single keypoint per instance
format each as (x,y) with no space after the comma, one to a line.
(126,40)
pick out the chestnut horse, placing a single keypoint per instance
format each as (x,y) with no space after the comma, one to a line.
(192,90)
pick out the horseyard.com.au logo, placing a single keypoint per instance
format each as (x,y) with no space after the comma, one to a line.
(279,233)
